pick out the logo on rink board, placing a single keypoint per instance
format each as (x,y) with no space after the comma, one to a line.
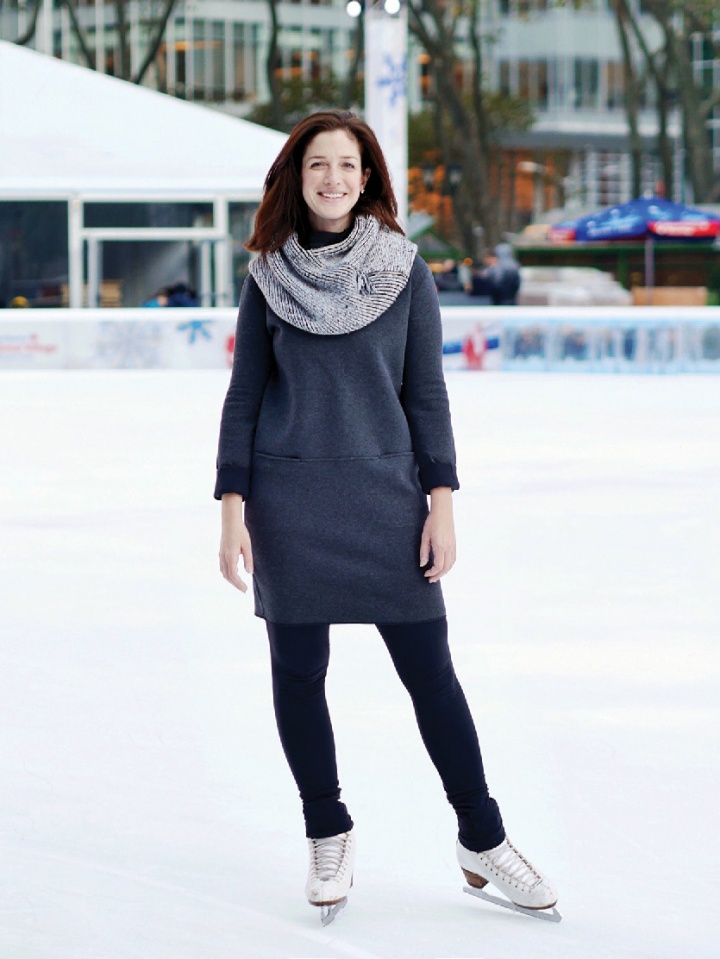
(16,346)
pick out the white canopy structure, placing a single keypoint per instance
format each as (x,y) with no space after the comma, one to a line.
(68,133)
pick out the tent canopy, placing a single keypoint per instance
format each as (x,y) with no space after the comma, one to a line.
(68,130)
(639,219)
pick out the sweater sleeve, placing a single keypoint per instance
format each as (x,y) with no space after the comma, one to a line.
(424,394)
(252,366)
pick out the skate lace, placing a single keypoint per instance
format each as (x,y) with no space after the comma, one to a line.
(328,856)
(514,865)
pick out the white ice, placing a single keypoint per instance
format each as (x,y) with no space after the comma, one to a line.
(146,811)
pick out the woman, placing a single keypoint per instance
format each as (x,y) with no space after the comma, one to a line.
(335,432)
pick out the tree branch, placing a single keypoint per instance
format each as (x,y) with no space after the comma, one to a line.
(631,95)
(122,39)
(152,51)
(30,32)
(79,34)
(346,96)
(272,66)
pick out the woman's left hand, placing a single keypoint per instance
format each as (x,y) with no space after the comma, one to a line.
(438,535)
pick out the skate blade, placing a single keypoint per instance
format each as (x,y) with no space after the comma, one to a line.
(328,913)
(549,915)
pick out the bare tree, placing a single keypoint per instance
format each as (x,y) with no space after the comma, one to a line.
(158,26)
(273,65)
(82,40)
(670,69)
(632,92)
(293,97)
(658,73)
(467,124)
(679,20)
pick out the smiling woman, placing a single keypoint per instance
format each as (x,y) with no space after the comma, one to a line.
(336,468)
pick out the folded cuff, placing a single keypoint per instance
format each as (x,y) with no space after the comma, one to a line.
(232,479)
(434,474)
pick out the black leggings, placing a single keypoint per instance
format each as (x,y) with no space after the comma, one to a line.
(420,654)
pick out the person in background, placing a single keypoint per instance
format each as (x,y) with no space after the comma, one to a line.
(449,277)
(480,283)
(158,299)
(182,295)
(503,276)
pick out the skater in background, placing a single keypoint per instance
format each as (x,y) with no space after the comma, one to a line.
(336,469)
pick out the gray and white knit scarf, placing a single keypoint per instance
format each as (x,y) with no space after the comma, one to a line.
(338,288)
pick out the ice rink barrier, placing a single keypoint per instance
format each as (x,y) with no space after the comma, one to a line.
(580,339)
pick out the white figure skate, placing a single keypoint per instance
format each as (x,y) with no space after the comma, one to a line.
(330,873)
(526,889)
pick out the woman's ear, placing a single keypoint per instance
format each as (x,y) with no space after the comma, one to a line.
(366,177)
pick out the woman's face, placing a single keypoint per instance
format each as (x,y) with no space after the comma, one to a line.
(332,178)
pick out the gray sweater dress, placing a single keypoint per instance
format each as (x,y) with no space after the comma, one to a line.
(334,441)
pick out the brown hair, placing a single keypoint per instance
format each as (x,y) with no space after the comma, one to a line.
(283,210)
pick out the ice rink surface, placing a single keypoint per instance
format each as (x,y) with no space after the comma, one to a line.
(146,811)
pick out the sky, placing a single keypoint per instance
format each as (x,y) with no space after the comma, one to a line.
(146,811)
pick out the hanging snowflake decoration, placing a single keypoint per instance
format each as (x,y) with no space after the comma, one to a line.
(393,79)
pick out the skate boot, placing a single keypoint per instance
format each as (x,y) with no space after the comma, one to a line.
(526,889)
(330,873)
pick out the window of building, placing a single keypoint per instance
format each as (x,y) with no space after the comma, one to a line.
(586,84)
(526,80)
(556,83)
(198,53)
(504,82)
(523,7)
(180,62)
(542,96)
(614,85)
(216,58)
(531,83)
(317,62)
(239,90)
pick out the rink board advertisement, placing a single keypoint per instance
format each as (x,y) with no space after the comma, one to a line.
(117,339)
(593,339)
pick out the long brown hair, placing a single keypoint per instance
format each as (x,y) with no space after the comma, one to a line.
(283,209)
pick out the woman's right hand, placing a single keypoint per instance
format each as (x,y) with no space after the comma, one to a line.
(234,541)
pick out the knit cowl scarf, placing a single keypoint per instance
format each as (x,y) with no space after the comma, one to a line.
(338,288)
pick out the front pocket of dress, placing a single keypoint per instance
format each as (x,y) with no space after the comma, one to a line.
(379,493)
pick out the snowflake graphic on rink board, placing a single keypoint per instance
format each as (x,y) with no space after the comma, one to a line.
(129,345)
(195,329)
(393,79)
